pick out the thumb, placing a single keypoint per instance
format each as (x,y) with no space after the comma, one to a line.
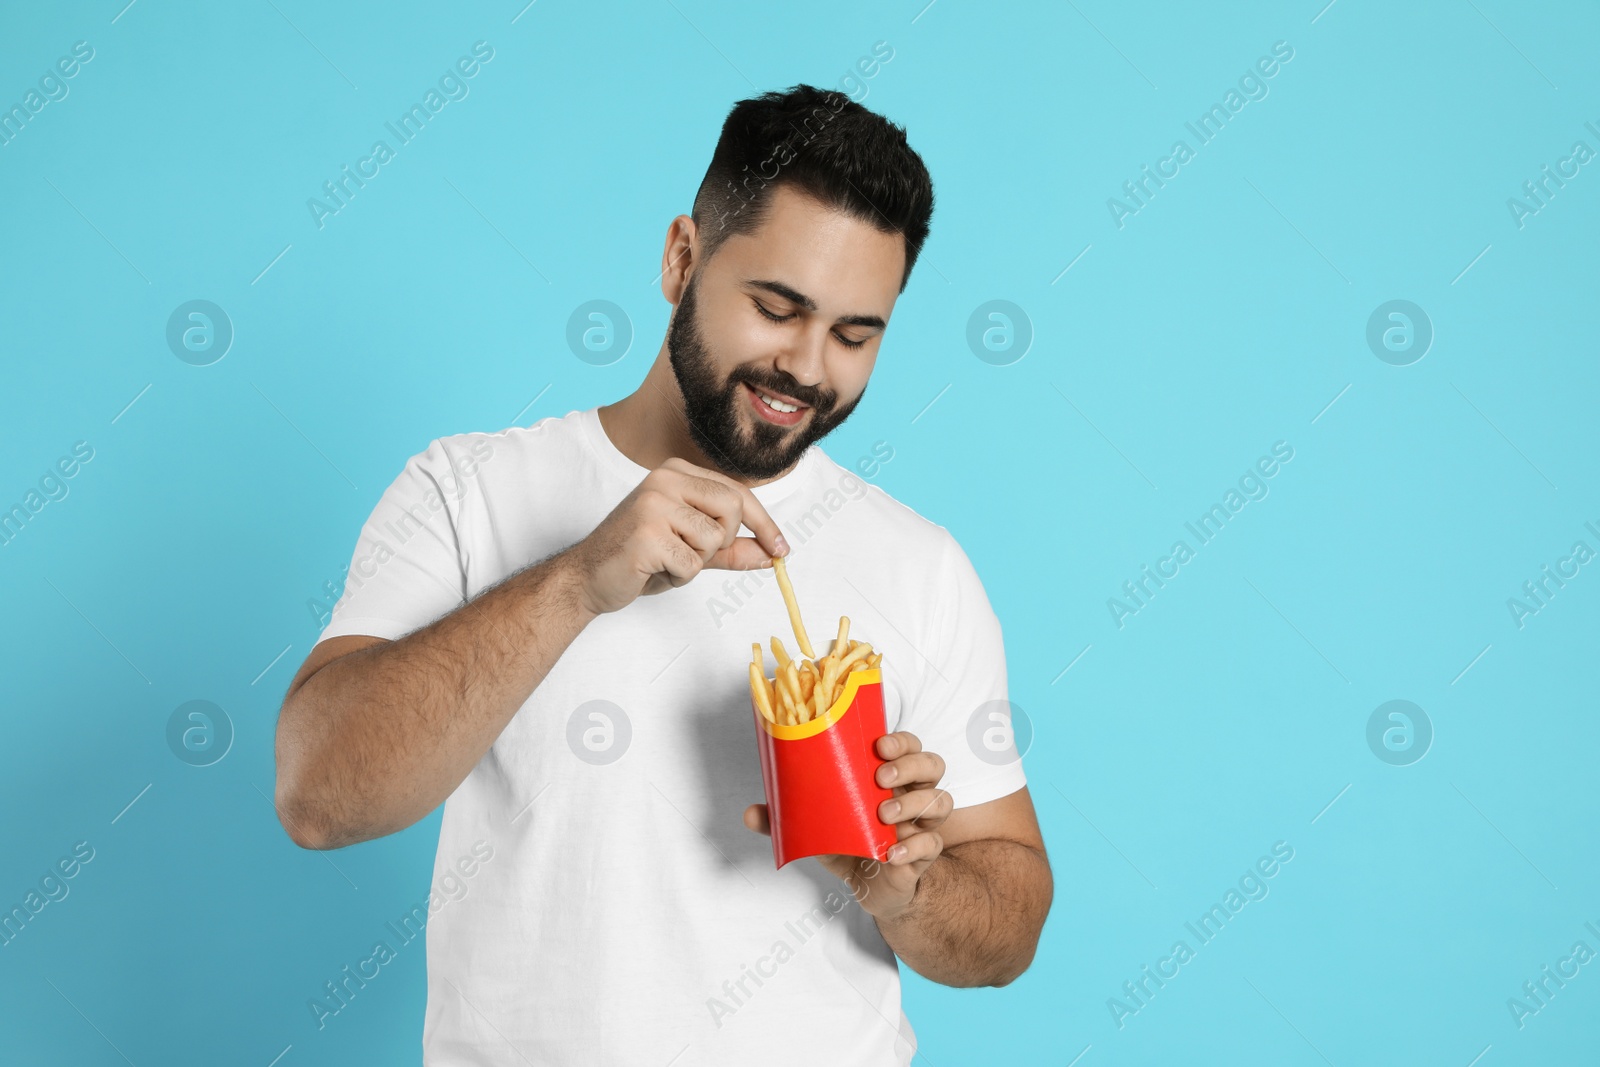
(745,554)
(755,818)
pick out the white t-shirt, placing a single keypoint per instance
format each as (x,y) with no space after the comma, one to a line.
(625,915)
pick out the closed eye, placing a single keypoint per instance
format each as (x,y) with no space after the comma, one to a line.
(770,317)
(775,318)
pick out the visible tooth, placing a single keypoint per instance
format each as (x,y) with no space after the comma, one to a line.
(775,404)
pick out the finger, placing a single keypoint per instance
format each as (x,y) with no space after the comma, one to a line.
(755,818)
(898,744)
(702,533)
(919,768)
(761,524)
(720,496)
(675,560)
(745,554)
(917,851)
(715,539)
(705,491)
(922,808)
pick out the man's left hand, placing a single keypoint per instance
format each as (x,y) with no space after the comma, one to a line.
(918,808)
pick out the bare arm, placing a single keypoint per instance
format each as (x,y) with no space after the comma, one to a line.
(375,734)
(976,913)
(976,916)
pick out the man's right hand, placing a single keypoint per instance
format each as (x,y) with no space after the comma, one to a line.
(678,521)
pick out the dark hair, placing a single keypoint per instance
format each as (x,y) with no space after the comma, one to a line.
(825,145)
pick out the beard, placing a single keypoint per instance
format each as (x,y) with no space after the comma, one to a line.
(763,450)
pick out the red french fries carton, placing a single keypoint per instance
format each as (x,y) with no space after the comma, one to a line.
(821,777)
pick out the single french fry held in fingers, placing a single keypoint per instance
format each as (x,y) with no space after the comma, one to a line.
(781,569)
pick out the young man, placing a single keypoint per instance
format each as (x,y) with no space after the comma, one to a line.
(540,629)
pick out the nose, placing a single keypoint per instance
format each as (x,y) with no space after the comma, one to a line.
(803,359)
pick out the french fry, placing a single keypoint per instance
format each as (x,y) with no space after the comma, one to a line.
(860,652)
(830,682)
(791,682)
(779,653)
(782,571)
(758,686)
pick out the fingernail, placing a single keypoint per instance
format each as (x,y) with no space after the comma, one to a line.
(897,853)
(783,546)
(891,809)
(890,773)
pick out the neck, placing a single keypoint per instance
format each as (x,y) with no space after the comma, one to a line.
(649,425)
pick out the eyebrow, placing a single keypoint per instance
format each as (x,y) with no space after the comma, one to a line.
(794,296)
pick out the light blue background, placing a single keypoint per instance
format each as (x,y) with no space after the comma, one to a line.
(1228,314)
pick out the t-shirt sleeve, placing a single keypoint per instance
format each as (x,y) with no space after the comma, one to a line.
(406,570)
(961,710)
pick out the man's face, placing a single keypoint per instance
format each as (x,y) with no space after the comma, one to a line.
(727,351)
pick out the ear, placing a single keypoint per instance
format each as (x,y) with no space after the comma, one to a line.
(678,258)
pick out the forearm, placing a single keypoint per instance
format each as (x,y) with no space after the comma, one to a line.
(378,738)
(976,916)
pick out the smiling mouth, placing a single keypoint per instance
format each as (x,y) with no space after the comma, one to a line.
(775,408)
(776,403)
